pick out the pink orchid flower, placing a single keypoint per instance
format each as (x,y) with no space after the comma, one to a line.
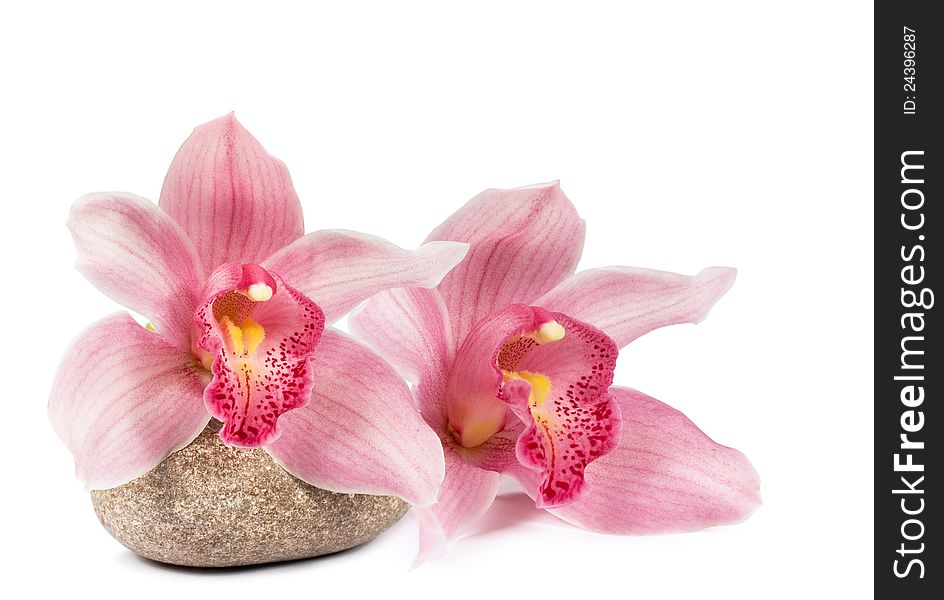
(239,299)
(512,360)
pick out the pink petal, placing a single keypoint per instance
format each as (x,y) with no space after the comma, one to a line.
(626,302)
(665,476)
(575,421)
(410,328)
(234,200)
(524,241)
(260,345)
(339,269)
(466,494)
(123,399)
(138,256)
(361,432)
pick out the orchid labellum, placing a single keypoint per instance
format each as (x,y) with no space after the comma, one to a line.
(512,360)
(238,299)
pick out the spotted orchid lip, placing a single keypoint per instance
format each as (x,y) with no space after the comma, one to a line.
(261,334)
(553,372)
(561,393)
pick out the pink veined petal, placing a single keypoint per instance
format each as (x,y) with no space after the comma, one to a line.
(361,432)
(410,328)
(524,241)
(235,201)
(261,348)
(140,257)
(665,476)
(123,399)
(466,494)
(339,269)
(627,302)
(559,391)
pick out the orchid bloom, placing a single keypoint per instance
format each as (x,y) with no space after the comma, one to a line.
(512,360)
(238,299)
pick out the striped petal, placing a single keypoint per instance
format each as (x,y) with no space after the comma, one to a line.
(235,201)
(339,269)
(410,328)
(466,494)
(361,432)
(627,302)
(524,241)
(123,399)
(139,257)
(664,476)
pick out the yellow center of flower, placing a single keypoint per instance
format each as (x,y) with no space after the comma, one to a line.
(242,339)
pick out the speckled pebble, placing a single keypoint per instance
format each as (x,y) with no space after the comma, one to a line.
(212,506)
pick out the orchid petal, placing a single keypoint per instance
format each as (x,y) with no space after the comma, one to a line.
(234,200)
(123,399)
(361,432)
(260,334)
(466,494)
(627,302)
(339,269)
(141,258)
(524,242)
(665,476)
(410,328)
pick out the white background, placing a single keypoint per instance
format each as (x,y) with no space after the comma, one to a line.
(687,135)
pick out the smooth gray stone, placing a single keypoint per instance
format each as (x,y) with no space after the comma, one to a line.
(212,506)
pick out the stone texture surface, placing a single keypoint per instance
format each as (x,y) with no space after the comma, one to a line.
(212,506)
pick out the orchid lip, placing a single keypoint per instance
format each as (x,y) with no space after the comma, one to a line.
(256,339)
(544,377)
